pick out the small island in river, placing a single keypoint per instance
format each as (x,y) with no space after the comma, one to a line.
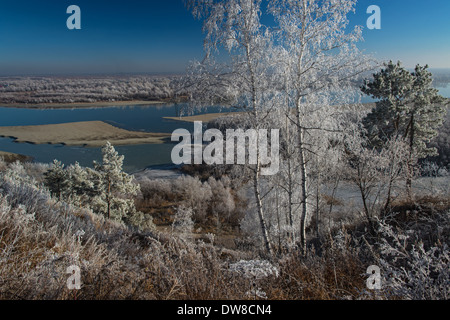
(86,133)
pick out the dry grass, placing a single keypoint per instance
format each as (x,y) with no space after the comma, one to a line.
(9,157)
(330,277)
(420,206)
(40,237)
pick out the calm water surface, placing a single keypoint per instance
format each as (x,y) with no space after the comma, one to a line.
(137,118)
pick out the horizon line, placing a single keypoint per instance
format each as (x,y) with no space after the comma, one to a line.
(99,74)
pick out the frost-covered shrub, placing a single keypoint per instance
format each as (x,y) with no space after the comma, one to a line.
(22,189)
(442,143)
(16,172)
(3,165)
(255,271)
(222,200)
(412,269)
(195,195)
(36,170)
(183,223)
(140,220)
(432,169)
(211,200)
(156,190)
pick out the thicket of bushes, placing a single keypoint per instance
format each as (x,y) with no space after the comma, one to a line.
(213,202)
(41,236)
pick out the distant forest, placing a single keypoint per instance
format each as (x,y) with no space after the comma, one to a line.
(38,90)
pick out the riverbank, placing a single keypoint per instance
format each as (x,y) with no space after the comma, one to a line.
(86,133)
(207,117)
(98,104)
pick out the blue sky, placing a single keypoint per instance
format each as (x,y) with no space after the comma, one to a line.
(119,36)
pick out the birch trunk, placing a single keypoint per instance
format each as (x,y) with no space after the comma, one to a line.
(303,184)
(262,221)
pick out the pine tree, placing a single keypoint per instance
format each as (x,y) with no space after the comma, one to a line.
(57,179)
(82,182)
(408,108)
(114,186)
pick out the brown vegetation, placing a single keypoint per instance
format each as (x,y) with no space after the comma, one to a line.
(41,236)
(9,157)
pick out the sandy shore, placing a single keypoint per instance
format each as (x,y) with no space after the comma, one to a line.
(88,133)
(101,104)
(203,117)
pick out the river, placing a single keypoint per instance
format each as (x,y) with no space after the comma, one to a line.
(137,118)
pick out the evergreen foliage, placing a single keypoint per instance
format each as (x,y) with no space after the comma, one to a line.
(106,189)
(57,179)
(408,107)
(114,186)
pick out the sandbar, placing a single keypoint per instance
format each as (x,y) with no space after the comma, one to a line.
(203,117)
(86,133)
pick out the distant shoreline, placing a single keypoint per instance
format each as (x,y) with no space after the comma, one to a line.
(207,117)
(71,105)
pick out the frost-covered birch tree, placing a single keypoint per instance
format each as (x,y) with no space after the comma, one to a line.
(304,62)
(235,26)
(319,62)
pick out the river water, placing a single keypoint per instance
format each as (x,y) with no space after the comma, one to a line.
(136,118)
